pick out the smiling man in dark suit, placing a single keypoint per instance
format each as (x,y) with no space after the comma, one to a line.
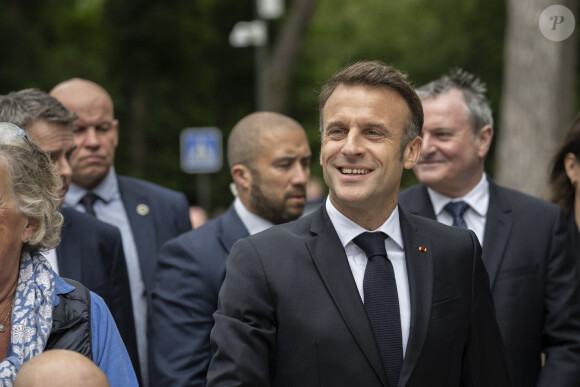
(533,278)
(359,293)
(146,214)
(90,251)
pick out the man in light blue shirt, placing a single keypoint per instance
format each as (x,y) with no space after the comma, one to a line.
(146,214)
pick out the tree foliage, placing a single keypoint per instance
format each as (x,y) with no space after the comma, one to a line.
(168,65)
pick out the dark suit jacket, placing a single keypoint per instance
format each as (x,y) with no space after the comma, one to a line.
(290,313)
(190,273)
(91,252)
(156,214)
(534,283)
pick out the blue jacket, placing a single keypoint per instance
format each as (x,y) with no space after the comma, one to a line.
(100,341)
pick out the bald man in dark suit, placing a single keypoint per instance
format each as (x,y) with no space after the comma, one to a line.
(269,159)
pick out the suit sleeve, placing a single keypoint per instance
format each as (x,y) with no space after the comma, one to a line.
(184,299)
(561,336)
(182,219)
(243,338)
(484,363)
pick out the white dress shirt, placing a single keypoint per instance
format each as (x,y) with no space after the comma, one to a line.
(253,223)
(347,230)
(51,257)
(474,216)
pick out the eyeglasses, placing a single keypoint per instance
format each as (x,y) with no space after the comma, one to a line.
(10,133)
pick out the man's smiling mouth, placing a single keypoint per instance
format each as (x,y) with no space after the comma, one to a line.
(350,171)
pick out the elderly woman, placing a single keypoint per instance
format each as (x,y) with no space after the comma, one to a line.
(564,180)
(38,309)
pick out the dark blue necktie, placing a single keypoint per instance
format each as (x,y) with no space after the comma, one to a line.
(382,302)
(88,201)
(457,209)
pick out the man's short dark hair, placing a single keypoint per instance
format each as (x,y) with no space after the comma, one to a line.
(377,75)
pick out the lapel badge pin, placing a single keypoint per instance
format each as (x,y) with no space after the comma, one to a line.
(142,209)
(423,249)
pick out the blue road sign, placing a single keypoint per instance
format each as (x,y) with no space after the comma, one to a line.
(201,150)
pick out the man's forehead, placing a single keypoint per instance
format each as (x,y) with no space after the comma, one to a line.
(90,103)
(277,144)
(43,128)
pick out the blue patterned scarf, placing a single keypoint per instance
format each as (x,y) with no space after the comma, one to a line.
(31,315)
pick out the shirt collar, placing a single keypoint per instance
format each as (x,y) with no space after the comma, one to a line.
(347,230)
(254,224)
(61,287)
(476,198)
(106,190)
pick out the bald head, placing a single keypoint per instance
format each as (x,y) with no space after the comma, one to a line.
(78,92)
(244,142)
(95,130)
(60,367)
(269,160)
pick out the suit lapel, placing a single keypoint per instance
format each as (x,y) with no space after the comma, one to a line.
(231,229)
(418,202)
(68,252)
(419,259)
(498,227)
(499,220)
(332,264)
(138,208)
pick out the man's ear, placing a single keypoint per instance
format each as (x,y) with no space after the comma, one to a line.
(115,125)
(483,139)
(241,176)
(412,152)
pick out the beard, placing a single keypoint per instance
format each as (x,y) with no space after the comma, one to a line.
(276,210)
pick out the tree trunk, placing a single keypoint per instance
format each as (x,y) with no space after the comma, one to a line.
(537,98)
(285,53)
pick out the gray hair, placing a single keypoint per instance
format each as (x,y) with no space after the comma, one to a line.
(35,182)
(13,110)
(41,106)
(473,90)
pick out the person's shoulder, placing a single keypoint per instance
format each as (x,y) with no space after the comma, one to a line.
(412,189)
(295,229)
(521,201)
(203,234)
(80,219)
(206,238)
(411,193)
(145,186)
